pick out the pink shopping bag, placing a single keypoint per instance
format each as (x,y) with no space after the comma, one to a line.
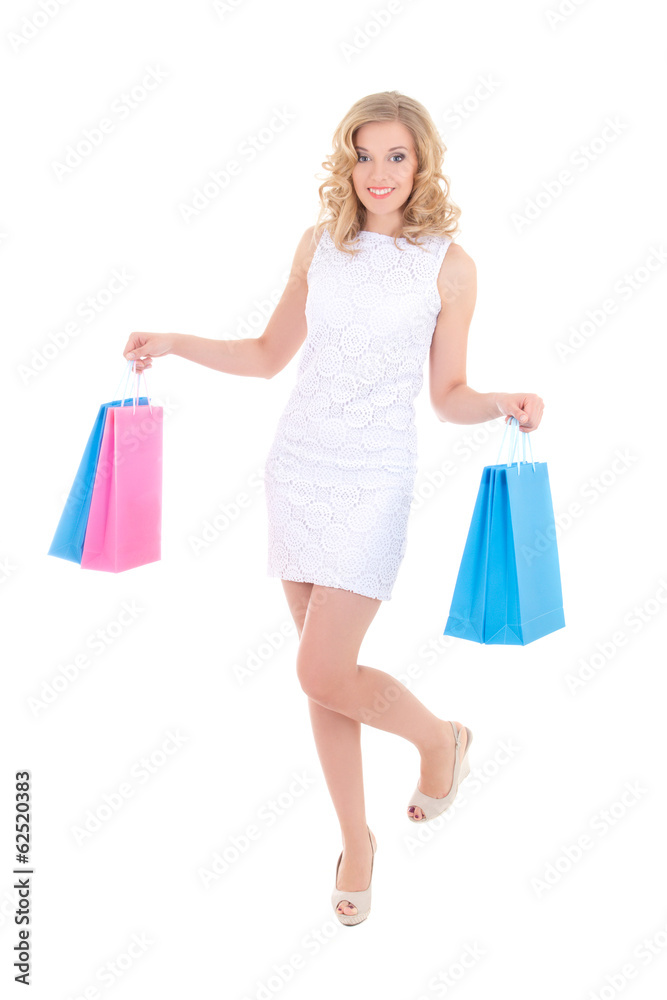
(125,521)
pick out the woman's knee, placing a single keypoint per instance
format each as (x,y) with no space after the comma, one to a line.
(317,679)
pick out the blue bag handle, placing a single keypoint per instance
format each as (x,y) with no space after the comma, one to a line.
(129,370)
(513,442)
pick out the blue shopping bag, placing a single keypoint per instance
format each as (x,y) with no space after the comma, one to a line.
(71,531)
(466,615)
(508,589)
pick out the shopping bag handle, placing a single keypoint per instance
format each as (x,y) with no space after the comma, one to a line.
(513,442)
(129,370)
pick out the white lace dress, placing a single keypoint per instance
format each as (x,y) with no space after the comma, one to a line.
(340,472)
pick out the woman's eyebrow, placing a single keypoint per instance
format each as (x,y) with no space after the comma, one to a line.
(363,148)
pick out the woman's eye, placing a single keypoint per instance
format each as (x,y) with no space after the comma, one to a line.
(362,156)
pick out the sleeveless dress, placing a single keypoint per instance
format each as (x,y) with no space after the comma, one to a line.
(340,471)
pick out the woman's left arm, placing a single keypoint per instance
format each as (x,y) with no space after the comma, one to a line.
(451,396)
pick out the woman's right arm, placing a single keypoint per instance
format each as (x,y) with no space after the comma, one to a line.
(260,357)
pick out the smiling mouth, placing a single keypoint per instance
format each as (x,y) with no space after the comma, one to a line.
(385,194)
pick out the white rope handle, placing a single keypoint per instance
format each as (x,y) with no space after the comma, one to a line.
(513,443)
(125,377)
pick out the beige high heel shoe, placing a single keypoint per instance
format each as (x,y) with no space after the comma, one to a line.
(432,807)
(361,899)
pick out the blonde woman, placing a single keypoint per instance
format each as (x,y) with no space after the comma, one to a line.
(376,285)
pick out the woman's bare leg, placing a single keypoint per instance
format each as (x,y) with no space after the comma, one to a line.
(338,742)
(335,624)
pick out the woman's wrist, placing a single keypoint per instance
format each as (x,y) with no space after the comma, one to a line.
(177,343)
(465,405)
(495,403)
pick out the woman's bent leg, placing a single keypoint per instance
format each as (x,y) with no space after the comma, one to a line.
(334,627)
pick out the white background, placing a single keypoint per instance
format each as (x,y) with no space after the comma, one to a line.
(474,886)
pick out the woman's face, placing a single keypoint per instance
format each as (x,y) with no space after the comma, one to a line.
(386,159)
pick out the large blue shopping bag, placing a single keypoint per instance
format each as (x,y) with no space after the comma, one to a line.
(508,589)
(71,531)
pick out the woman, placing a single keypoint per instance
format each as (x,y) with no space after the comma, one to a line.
(375,286)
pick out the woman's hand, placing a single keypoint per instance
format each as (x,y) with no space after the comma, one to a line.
(143,347)
(527,407)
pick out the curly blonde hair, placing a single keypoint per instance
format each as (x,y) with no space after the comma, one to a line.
(429,209)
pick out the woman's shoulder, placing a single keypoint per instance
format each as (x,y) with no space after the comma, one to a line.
(305,250)
(458,269)
(456,257)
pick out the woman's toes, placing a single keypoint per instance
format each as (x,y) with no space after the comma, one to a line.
(415,812)
(346,908)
